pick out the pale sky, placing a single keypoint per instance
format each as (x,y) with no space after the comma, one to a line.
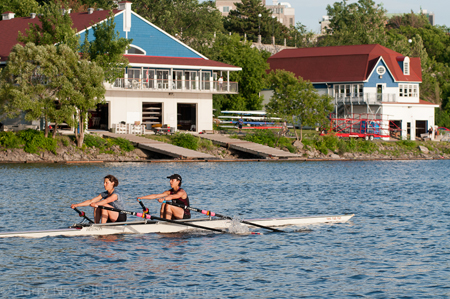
(310,12)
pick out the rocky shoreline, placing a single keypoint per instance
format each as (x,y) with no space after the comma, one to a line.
(72,154)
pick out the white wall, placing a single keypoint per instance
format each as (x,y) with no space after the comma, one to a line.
(127,106)
(409,113)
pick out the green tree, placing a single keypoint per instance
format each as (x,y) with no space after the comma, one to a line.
(300,37)
(107,49)
(36,81)
(355,24)
(54,28)
(191,22)
(245,20)
(21,8)
(88,92)
(231,50)
(296,100)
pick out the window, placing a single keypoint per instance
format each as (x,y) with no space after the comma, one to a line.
(347,90)
(381,70)
(135,50)
(408,90)
(406,66)
(226,9)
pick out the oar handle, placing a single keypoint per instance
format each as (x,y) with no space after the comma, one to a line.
(143,207)
(83,214)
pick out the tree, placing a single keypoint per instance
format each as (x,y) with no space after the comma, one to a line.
(245,20)
(358,23)
(299,37)
(21,8)
(231,50)
(36,81)
(296,100)
(88,92)
(191,22)
(107,49)
(55,28)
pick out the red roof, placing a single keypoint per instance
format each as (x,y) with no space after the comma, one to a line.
(342,63)
(197,62)
(9,29)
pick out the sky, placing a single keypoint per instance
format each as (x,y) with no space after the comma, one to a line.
(310,12)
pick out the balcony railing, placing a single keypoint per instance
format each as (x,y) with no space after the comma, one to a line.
(366,98)
(176,85)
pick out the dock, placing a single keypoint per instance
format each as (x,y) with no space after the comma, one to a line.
(161,147)
(249,147)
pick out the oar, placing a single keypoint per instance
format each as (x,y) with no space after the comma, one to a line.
(148,216)
(212,214)
(82,214)
(145,211)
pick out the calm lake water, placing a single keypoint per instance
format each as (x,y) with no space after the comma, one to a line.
(396,246)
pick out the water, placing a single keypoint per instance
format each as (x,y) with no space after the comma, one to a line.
(397,245)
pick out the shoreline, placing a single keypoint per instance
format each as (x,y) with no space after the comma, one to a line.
(226,160)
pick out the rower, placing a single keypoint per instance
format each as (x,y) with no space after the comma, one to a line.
(109,198)
(177,195)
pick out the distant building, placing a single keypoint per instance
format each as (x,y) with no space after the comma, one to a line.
(165,83)
(364,79)
(324,24)
(283,11)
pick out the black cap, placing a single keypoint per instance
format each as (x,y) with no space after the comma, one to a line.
(175,176)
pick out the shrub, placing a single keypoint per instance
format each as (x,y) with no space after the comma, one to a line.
(35,141)
(185,140)
(124,144)
(10,140)
(95,140)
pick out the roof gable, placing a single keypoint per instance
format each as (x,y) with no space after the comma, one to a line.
(144,34)
(342,63)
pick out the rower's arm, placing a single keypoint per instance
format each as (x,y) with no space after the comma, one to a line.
(180,194)
(86,202)
(107,200)
(153,196)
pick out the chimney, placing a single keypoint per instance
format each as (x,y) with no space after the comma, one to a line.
(32,15)
(7,15)
(90,10)
(125,5)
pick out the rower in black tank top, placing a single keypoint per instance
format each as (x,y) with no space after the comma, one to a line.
(181,201)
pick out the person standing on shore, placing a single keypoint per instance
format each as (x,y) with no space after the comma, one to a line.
(177,195)
(240,123)
(110,198)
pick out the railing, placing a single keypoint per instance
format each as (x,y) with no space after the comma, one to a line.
(176,85)
(366,98)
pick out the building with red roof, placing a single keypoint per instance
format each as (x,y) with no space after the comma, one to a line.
(166,82)
(364,79)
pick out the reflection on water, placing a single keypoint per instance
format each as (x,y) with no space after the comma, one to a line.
(397,245)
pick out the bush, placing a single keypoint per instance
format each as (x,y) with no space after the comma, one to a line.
(10,140)
(35,141)
(185,140)
(95,140)
(124,144)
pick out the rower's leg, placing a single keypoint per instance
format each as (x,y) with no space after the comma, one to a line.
(172,212)
(97,215)
(162,211)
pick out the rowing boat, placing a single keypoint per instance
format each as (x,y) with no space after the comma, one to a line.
(150,226)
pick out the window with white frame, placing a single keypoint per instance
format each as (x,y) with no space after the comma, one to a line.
(408,90)
(348,90)
(406,66)
(226,9)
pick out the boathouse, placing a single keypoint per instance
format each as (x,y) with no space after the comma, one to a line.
(364,79)
(166,82)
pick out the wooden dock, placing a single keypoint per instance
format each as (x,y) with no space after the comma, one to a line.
(161,147)
(249,147)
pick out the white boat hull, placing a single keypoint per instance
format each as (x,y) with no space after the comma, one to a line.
(146,226)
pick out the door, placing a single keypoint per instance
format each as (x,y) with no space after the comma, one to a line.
(380,89)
